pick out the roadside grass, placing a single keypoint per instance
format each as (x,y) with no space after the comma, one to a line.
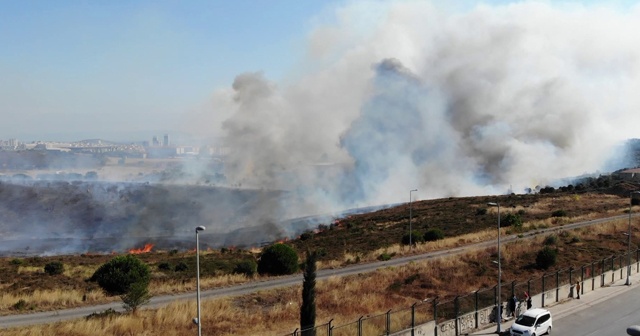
(345,299)
(357,239)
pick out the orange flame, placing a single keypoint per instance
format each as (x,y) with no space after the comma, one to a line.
(146,249)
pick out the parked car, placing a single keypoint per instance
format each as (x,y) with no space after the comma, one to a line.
(534,322)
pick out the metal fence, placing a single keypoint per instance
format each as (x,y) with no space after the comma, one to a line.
(591,276)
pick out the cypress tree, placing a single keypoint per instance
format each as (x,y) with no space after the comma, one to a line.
(308,308)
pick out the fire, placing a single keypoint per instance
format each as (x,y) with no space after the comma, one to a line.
(146,249)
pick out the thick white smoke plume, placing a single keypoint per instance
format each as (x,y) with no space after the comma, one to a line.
(408,95)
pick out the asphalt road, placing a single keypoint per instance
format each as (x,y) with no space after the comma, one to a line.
(159,301)
(610,317)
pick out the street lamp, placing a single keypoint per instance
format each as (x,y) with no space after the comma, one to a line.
(628,283)
(498,301)
(410,233)
(198,320)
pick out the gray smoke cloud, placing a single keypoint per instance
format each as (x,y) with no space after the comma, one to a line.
(410,95)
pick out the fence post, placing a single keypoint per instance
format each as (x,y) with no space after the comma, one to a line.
(456,309)
(389,322)
(602,275)
(435,315)
(529,287)
(638,261)
(360,326)
(593,276)
(557,285)
(295,332)
(613,267)
(413,318)
(582,279)
(476,308)
(543,274)
(621,267)
(571,276)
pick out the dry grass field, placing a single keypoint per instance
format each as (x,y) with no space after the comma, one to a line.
(359,238)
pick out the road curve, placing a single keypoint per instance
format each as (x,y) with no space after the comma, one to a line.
(10,321)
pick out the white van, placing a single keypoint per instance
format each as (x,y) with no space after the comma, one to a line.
(534,322)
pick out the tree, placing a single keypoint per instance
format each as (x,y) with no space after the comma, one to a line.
(118,275)
(278,259)
(308,308)
(546,257)
(137,296)
(54,267)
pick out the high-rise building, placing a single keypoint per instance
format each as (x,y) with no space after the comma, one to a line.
(165,143)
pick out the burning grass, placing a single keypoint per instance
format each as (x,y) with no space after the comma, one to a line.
(355,239)
(345,299)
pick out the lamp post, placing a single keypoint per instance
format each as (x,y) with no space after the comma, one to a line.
(197,320)
(498,301)
(410,233)
(628,283)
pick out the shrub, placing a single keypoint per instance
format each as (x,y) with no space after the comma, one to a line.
(278,259)
(164,266)
(306,235)
(559,213)
(54,267)
(20,305)
(481,211)
(551,240)
(384,257)
(246,267)
(181,267)
(16,262)
(416,237)
(137,295)
(173,252)
(117,275)
(511,219)
(433,234)
(546,257)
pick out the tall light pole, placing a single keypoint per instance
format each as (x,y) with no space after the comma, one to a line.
(198,320)
(410,233)
(499,299)
(628,283)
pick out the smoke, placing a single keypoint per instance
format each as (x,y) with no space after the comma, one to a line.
(450,102)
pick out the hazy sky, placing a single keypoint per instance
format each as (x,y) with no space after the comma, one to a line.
(127,70)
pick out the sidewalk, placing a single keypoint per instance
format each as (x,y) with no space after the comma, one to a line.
(570,306)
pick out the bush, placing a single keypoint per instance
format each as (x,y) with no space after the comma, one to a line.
(551,240)
(384,257)
(20,305)
(416,237)
(164,266)
(137,296)
(546,257)
(278,259)
(54,267)
(16,262)
(433,234)
(559,213)
(306,235)
(181,267)
(116,276)
(481,211)
(246,267)
(511,219)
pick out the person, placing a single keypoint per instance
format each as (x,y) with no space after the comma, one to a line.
(527,298)
(578,288)
(512,305)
